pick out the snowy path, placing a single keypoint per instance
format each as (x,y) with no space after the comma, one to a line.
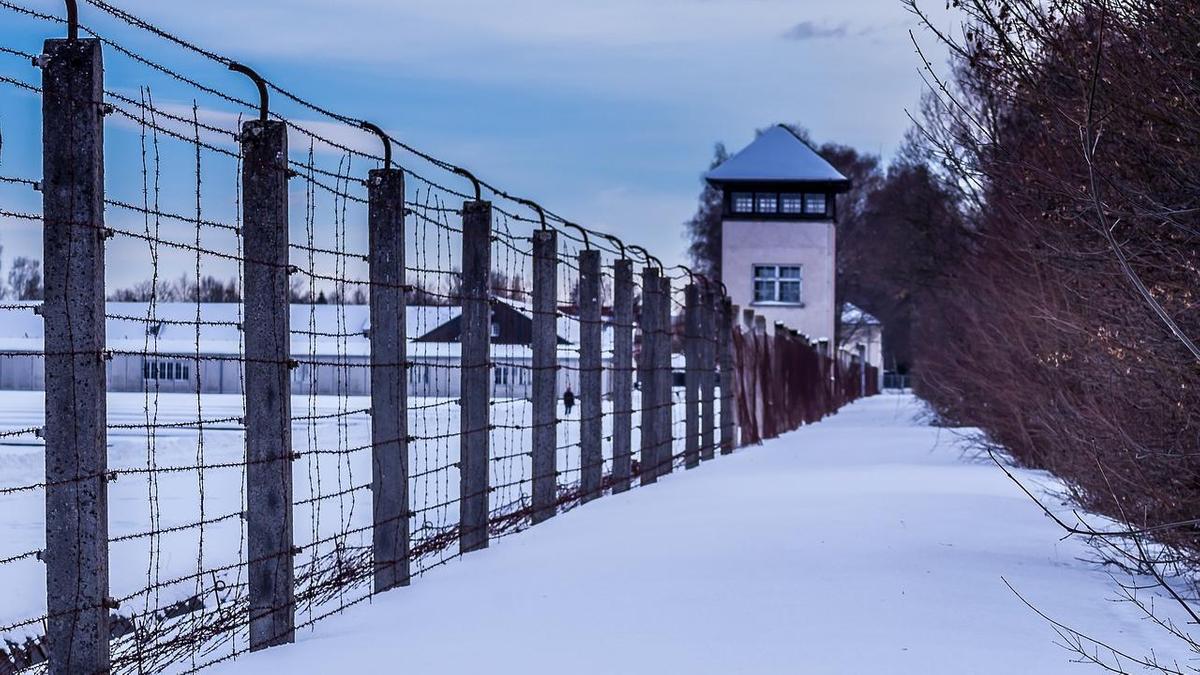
(862,544)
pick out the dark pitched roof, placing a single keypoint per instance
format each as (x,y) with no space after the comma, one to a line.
(777,155)
(513,328)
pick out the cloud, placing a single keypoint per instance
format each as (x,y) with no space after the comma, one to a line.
(811,30)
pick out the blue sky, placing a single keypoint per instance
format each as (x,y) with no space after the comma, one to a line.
(607,111)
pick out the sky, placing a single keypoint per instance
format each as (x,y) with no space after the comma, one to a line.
(605,111)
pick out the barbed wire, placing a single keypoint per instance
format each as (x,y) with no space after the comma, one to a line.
(176,365)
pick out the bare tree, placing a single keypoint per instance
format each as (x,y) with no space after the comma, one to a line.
(1066,326)
(25,279)
(703,230)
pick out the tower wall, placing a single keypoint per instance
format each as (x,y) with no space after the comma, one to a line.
(811,244)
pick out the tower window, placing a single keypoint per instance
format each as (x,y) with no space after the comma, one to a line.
(743,202)
(814,203)
(791,203)
(777,283)
(766,202)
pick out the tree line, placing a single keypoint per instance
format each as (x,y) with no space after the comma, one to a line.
(23,281)
(213,289)
(1063,322)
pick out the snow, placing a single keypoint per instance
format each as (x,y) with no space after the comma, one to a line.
(776,155)
(179,497)
(865,543)
(127,323)
(853,315)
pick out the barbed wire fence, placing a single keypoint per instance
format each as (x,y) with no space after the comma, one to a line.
(297,411)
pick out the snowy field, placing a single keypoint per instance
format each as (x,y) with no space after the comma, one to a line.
(176,532)
(865,543)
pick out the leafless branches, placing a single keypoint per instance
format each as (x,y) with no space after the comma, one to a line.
(1064,327)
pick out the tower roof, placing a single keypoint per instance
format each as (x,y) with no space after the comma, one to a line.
(778,156)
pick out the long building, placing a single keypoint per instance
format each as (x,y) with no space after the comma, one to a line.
(184,347)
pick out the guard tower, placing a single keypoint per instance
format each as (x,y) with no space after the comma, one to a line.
(778,241)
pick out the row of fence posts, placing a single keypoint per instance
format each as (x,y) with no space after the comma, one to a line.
(783,380)
(76,553)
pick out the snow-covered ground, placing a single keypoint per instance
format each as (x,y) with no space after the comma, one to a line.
(161,554)
(865,543)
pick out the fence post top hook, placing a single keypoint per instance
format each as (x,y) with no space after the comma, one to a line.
(72,20)
(258,82)
(662,271)
(474,181)
(640,251)
(691,275)
(387,142)
(587,244)
(616,240)
(646,257)
(710,284)
(536,207)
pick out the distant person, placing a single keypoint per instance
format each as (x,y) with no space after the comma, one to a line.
(568,399)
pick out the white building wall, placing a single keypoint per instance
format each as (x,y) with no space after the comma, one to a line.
(22,372)
(437,376)
(868,335)
(810,244)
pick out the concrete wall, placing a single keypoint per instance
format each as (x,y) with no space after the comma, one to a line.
(811,244)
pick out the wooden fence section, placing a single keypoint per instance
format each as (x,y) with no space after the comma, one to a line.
(782,381)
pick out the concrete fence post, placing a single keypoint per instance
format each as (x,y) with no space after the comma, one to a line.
(862,370)
(545,374)
(708,374)
(762,388)
(622,373)
(691,376)
(666,407)
(724,324)
(591,411)
(389,379)
(73,308)
(749,375)
(647,377)
(268,385)
(475,389)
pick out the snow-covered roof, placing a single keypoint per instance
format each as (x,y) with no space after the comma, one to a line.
(852,315)
(171,328)
(317,330)
(777,155)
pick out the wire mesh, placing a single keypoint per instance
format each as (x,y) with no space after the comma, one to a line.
(176,359)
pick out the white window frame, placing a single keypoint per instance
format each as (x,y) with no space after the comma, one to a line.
(776,282)
(742,202)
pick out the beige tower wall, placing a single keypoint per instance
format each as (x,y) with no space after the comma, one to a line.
(810,244)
